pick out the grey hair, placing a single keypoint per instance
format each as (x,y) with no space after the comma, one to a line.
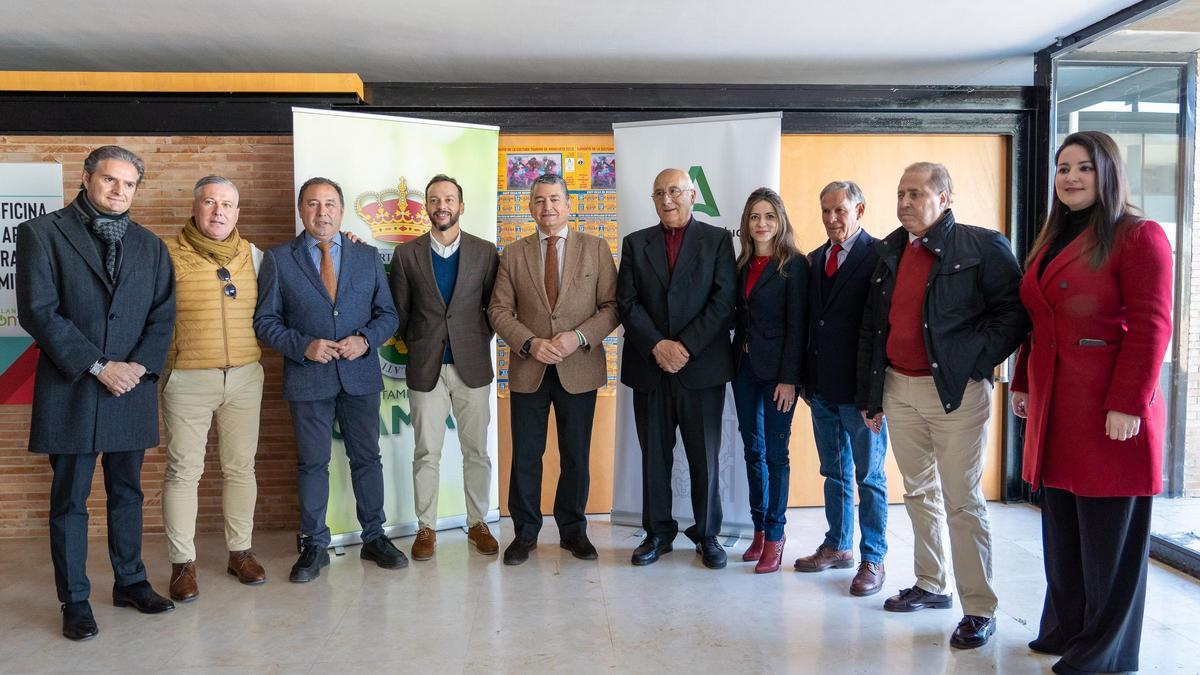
(851,188)
(549,179)
(106,152)
(213,179)
(939,177)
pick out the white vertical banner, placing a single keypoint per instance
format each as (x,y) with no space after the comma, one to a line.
(727,157)
(383,163)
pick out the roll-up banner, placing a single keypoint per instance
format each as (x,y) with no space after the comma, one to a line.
(383,163)
(27,190)
(727,157)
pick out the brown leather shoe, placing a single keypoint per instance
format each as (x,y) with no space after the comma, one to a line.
(247,570)
(824,558)
(481,536)
(869,579)
(425,544)
(183,582)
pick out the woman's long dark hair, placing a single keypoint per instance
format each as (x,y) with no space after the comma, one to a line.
(783,246)
(1113,210)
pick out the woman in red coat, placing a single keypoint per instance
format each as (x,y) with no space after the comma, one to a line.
(1098,289)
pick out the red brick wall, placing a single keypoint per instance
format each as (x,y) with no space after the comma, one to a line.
(261,166)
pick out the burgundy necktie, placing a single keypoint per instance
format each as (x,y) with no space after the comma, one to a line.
(551,274)
(831,263)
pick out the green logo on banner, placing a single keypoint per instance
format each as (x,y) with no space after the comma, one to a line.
(705,204)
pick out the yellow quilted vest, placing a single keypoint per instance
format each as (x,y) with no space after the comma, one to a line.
(212,330)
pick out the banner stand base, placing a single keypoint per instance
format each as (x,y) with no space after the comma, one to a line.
(731,531)
(338,542)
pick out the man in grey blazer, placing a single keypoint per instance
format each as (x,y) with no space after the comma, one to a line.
(96,292)
(442,282)
(323,303)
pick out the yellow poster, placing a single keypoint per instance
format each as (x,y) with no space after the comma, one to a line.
(590,172)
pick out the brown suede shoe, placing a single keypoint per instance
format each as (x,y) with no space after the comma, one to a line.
(247,570)
(824,558)
(869,579)
(481,536)
(183,582)
(424,545)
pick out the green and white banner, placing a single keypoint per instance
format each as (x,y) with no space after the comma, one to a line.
(383,163)
(727,158)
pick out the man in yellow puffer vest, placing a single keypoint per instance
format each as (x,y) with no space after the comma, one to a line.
(213,369)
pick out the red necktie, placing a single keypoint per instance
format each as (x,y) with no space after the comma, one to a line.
(550,277)
(831,263)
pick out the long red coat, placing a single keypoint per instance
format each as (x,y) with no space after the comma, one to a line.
(1127,304)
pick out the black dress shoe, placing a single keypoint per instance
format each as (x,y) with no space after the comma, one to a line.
(518,551)
(650,549)
(712,554)
(78,622)
(579,547)
(384,553)
(1042,647)
(312,558)
(972,632)
(141,597)
(915,598)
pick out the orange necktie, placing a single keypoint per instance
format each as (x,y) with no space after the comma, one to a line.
(327,276)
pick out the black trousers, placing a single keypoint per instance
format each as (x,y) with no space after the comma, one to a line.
(1096,551)
(358,420)
(573,415)
(69,491)
(696,415)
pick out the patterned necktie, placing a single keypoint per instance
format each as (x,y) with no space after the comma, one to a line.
(327,276)
(831,263)
(110,231)
(551,272)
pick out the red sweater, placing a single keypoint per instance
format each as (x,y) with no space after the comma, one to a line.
(906,335)
(757,264)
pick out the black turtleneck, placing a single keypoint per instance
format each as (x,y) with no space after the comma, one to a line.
(1073,223)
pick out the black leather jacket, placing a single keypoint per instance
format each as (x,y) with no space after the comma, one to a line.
(973,313)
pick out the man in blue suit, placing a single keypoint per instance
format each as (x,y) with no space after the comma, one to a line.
(850,449)
(324,304)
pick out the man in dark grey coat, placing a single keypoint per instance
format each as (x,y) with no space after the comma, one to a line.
(96,292)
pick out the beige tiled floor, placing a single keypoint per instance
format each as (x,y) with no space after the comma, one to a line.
(462,612)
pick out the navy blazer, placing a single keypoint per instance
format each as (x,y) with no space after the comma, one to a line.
(774,320)
(77,315)
(694,305)
(294,309)
(833,331)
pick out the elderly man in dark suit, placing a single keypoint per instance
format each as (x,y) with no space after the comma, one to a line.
(323,303)
(851,452)
(442,282)
(676,289)
(96,292)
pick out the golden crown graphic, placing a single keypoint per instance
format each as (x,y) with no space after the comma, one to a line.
(393,215)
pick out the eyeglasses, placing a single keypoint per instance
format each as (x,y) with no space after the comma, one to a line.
(675,192)
(230,289)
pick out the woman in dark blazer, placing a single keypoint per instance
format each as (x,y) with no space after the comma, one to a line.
(1098,289)
(768,347)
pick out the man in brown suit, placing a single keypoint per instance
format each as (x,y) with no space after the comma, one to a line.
(441,283)
(554,303)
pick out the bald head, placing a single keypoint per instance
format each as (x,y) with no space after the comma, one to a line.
(673,197)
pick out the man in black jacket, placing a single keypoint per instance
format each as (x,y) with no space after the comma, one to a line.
(96,291)
(676,288)
(942,313)
(850,452)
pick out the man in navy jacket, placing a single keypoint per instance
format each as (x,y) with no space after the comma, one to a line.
(324,304)
(850,451)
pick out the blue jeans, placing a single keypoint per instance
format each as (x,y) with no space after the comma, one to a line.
(851,453)
(765,432)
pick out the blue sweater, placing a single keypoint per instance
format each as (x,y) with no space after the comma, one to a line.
(445,272)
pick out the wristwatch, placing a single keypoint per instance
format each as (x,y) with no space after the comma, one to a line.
(526,347)
(98,366)
(360,334)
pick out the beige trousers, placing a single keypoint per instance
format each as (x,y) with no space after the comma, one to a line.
(190,399)
(472,413)
(940,457)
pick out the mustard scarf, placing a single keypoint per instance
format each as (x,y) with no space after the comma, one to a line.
(220,252)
